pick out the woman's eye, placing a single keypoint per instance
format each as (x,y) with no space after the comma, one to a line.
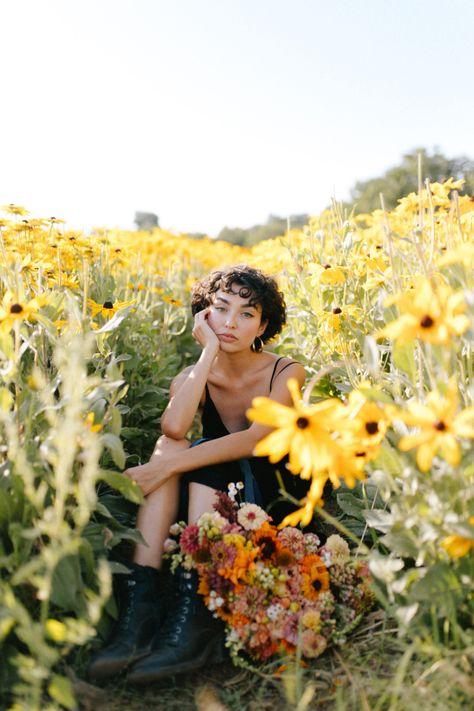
(219,308)
(247,314)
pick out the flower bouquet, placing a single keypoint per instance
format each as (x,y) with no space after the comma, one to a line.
(278,590)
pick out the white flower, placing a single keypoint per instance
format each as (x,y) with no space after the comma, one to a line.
(208,521)
(169,545)
(338,549)
(274,611)
(176,529)
(251,517)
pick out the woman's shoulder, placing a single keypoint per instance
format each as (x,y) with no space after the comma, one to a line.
(292,367)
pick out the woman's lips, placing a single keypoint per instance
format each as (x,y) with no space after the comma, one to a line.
(227,337)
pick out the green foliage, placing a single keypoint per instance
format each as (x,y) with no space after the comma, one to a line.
(402,179)
(274,227)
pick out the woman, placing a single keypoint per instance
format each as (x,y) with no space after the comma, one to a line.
(235,311)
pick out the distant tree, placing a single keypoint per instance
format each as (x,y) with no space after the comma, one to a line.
(234,235)
(273,227)
(402,179)
(196,235)
(146,220)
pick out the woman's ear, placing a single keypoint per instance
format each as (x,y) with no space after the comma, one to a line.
(262,328)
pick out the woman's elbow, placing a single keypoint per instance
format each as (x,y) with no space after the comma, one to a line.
(173,430)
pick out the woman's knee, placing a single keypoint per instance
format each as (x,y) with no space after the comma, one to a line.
(167,444)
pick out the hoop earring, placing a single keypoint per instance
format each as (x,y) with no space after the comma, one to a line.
(257,345)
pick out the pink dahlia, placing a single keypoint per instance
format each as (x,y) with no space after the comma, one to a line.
(293,539)
(189,540)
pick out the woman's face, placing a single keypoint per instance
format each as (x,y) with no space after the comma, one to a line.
(235,322)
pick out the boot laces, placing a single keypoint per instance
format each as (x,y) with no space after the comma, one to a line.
(178,614)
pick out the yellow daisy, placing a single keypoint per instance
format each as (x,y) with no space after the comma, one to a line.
(439,427)
(302,431)
(432,312)
(108,308)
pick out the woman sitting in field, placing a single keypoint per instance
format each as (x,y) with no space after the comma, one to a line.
(235,311)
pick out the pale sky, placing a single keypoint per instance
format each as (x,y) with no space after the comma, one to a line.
(219,112)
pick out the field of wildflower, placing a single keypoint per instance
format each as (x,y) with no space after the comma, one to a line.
(381,314)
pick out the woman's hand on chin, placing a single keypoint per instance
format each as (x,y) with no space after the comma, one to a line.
(152,475)
(203,333)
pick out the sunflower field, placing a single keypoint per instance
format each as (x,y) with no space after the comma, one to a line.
(94,327)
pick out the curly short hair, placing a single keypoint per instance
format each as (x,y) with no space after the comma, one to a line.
(261,289)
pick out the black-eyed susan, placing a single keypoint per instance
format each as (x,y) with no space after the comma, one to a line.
(457,546)
(367,420)
(439,427)
(12,209)
(430,311)
(14,309)
(108,308)
(328,273)
(302,431)
(171,300)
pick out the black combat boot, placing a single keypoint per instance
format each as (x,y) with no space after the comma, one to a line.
(141,612)
(189,638)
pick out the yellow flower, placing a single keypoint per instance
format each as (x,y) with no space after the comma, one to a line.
(369,420)
(464,254)
(14,309)
(328,273)
(439,427)
(457,546)
(108,308)
(14,209)
(432,312)
(302,431)
(90,418)
(173,302)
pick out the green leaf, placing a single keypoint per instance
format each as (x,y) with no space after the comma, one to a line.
(68,588)
(115,447)
(115,321)
(127,487)
(351,505)
(60,689)
(379,519)
(404,359)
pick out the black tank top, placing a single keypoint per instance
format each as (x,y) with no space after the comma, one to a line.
(212,425)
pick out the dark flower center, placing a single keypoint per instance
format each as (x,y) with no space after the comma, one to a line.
(440,426)
(337,310)
(426,322)
(327,266)
(361,454)
(202,555)
(108,305)
(317,585)
(302,423)
(16,309)
(372,427)
(267,546)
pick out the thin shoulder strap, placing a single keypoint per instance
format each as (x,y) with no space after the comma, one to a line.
(292,362)
(274,369)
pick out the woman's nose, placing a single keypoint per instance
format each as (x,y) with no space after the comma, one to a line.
(230,321)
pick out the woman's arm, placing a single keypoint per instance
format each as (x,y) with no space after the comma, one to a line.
(187,388)
(238,445)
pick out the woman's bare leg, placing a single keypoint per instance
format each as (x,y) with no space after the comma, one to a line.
(201,500)
(159,511)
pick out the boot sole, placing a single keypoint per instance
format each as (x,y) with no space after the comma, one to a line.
(214,653)
(102,671)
